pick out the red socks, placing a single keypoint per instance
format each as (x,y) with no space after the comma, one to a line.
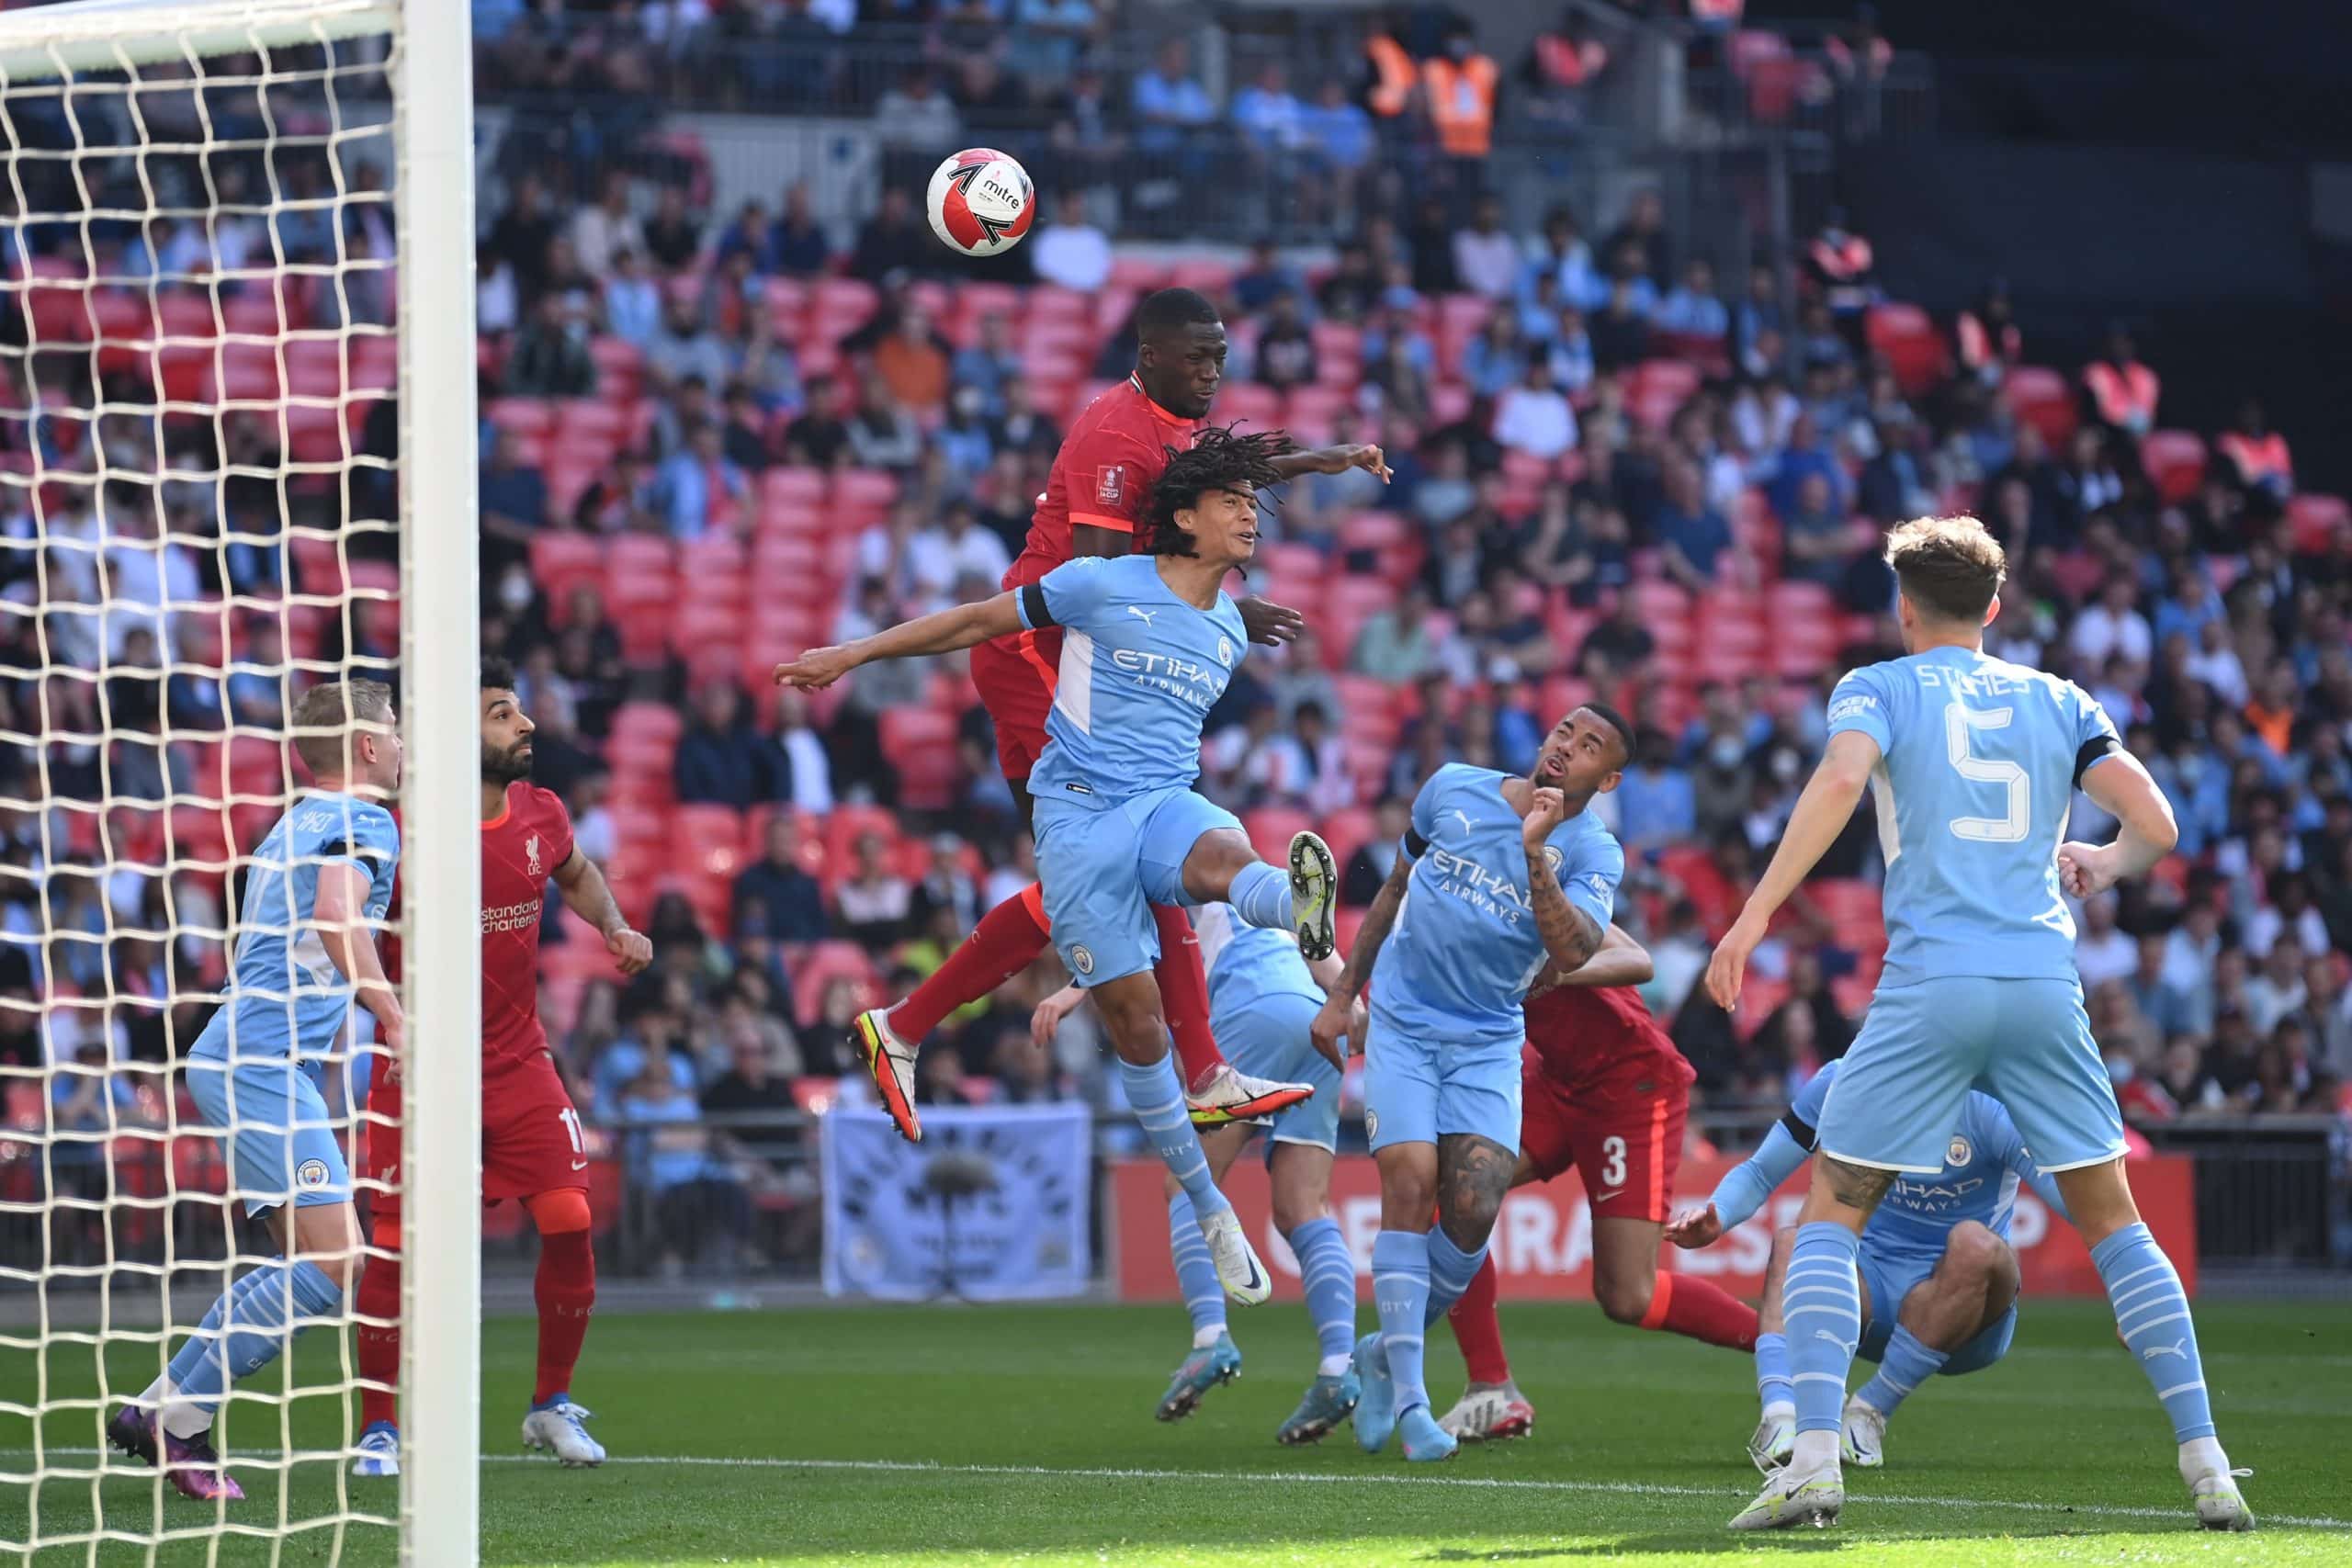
(1700,1309)
(1478,1330)
(378,1349)
(1006,941)
(1184,996)
(565,1289)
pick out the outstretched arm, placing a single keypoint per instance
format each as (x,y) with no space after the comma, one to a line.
(587,894)
(1338,1018)
(1742,1190)
(1821,814)
(965,626)
(1333,460)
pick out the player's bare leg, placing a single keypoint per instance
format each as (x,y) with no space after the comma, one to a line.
(1129,1007)
(1974,1282)
(1222,867)
(1492,1408)
(2152,1317)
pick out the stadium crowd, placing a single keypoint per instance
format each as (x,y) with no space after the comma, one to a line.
(711,438)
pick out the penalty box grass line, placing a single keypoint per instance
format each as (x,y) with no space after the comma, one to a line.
(1339,1478)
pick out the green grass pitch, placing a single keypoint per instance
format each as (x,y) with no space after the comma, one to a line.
(1024,1435)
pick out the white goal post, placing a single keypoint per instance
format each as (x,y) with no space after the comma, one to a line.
(86,72)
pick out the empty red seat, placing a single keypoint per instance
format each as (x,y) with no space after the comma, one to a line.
(921,744)
(2175,461)
(2041,397)
(2318,522)
(1347,830)
(1914,350)
(1271,828)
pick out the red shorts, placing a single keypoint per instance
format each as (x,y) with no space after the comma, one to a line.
(1622,1130)
(531,1139)
(1015,676)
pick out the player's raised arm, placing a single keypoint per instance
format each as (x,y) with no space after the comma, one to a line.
(1821,814)
(965,626)
(2119,785)
(588,895)
(1571,936)
(341,915)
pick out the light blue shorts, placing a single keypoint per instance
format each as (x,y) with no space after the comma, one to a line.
(1267,1037)
(1902,1088)
(1888,1276)
(1103,868)
(1416,1090)
(282,1143)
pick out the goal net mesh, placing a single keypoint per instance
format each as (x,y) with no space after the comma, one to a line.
(197,524)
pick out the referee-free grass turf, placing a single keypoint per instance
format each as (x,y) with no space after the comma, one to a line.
(1024,1435)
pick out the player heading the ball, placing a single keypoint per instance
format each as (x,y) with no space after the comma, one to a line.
(1152,642)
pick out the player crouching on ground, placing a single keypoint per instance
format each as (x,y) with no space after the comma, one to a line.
(1262,1001)
(1602,1088)
(1940,1279)
(1153,643)
(532,1149)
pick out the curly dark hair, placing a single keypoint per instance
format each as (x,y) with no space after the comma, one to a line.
(1219,459)
(497,674)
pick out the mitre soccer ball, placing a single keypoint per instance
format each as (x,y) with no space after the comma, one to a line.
(981,202)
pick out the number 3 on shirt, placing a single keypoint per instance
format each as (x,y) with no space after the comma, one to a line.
(2008,829)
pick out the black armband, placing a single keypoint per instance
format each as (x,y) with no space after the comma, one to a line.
(1033,608)
(1415,845)
(1799,1128)
(2093,750)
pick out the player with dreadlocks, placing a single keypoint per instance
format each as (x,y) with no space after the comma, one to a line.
(1152,641)
(1096,501)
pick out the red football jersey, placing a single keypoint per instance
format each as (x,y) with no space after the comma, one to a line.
(1586,1032)
(1103,475)
(521,847)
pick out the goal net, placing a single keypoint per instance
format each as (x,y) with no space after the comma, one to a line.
(235,313)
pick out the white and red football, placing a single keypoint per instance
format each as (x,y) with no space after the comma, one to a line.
(981,202)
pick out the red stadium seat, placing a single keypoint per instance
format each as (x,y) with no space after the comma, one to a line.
(1914,350)
(1249,405)
(2042,398)
(2319,523)
(921,744)
(1271,828)
(1339,356)
(1347,830)
(2174,462)
(825,963)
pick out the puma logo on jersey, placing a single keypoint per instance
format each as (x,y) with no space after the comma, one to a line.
(1141,613)
(2177,1347)
(1467,826)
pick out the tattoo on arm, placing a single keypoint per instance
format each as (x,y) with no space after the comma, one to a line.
(1855,1186)
(1378,921)
(1473,1174)
(1570,935)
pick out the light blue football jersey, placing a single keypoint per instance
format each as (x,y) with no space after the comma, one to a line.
(286,997)
(1466,947)
(1983,1165)
(1247,964)
(1978,766)
(1140,669)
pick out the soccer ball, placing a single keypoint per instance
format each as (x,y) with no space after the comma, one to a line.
(981,202)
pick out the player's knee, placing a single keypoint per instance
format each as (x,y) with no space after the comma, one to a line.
(1292,1210)
(1138,1032)
(1974,1253)
(1624,1295)
(1408,1198)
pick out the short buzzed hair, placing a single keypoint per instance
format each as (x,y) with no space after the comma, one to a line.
(1948,567)
(1164,312)
(326,716)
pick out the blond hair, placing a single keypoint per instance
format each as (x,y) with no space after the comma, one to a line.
(326,717)
(1950,567)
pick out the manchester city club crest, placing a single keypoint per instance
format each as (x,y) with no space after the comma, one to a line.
(1225,652)
(1960,1152)
(1552,859)
(1081,959)
(1371,1123)
(310,1175)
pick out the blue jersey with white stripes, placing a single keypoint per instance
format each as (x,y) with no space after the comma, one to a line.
(286,997)
(1466,947)
(1247,964)
(1140,669)
(1983,1163)
(1979,759)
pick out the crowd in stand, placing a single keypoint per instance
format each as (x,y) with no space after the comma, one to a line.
(1598,445)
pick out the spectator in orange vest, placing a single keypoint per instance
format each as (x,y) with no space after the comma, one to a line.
(1561,65)
(2122,390)
(1988,336)
(2260,455)
(1462,85)
(1393,77)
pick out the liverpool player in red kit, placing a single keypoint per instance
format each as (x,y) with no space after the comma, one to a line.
(531,1143)
(1602,1088)
(1100,485)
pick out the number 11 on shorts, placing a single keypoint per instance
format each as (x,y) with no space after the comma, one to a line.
(570,1118)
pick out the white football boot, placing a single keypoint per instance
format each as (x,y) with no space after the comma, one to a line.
(1864,1434)
(562,1430)
(1238,1269)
